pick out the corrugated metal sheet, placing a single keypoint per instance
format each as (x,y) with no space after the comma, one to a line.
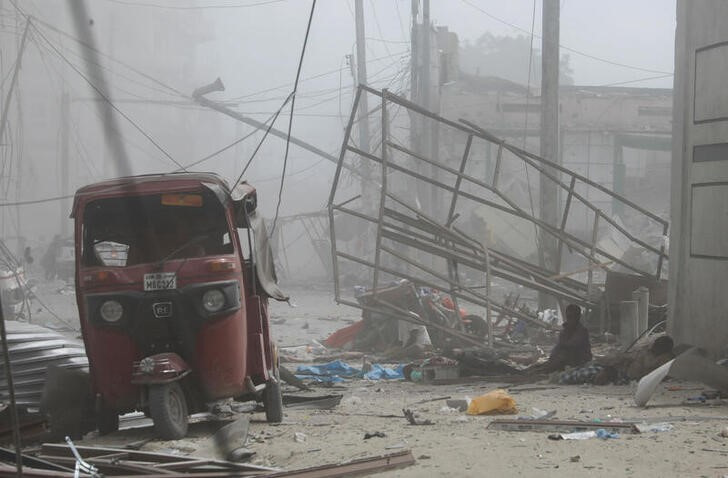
(32,350)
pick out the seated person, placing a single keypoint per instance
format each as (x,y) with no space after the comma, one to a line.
(573,348)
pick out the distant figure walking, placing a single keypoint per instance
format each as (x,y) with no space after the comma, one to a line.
(27,258)
(49,258)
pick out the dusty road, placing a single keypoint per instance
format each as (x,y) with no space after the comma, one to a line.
(457,444)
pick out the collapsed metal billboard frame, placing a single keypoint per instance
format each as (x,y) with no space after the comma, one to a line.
(401,223)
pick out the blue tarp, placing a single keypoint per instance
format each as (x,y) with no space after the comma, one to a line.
(378,373)
(337,371)
(337,367)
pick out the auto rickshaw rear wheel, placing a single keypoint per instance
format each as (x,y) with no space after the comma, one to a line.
(107,421)
(168,408)
(273,401)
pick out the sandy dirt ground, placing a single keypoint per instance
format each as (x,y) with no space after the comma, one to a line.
(456,444)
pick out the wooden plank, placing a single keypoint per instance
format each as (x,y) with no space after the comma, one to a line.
(50,450)
(363,466)
(562,426)
(184,464)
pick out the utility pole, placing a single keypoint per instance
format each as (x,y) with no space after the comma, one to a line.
(361,79)
(421,127)
(549,201)
(361,75)
(414,58)
(415,97)
(65,166)
(432,103)
(426,56)
(429,126)
(424,132)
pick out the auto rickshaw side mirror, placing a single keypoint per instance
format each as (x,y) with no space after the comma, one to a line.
(245,202)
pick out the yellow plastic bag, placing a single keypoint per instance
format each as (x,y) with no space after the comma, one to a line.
(497,402)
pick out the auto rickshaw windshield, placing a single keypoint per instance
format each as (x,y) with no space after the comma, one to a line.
(127,231)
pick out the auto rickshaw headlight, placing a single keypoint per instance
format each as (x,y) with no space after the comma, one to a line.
(111,311)
(213,300)
(147,365)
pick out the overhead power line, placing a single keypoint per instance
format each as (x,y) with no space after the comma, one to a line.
(196,7)
(272,120)
(659,77)
(290,120)
(35,201)
(106,98)
(173,90)
(319,75)
(564,47)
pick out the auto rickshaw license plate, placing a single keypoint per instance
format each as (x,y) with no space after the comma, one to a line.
(160,281)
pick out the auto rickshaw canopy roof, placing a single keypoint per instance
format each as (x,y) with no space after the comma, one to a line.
(242,193)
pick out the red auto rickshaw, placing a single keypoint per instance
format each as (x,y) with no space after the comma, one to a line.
(173,276)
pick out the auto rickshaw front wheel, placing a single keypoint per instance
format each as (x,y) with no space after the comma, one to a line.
(168,408)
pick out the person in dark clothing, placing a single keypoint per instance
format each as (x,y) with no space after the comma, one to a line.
(573,348)
(48,261)
(27,258)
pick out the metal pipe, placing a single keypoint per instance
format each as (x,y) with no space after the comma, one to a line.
(332,194)
(382,196)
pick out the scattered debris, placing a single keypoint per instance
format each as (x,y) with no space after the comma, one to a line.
(367,436)
(338,371)
(648,384)
(419,241)
(413,420)
(137,445)
(396,446)
(32,350)
(691,365)
(322,402)
(566,426)
(654,427)
(361,466)
(299,437)
(575,459)
(116,461)
(31,426)
(538,414)
(460,405)
(240,455)
(428,400)
(598,433)
(232,437)
(497,402)
(291,379)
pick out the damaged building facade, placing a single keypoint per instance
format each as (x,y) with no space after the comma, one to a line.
(699,240)
(617,136)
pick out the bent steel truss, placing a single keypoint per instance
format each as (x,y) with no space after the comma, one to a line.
(416,220)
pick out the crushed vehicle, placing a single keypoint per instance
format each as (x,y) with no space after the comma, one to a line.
(173,276)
